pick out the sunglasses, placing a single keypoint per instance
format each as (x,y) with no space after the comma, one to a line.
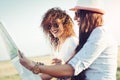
(55,25)
(77,14)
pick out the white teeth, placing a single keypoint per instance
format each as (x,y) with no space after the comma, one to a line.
(55,31)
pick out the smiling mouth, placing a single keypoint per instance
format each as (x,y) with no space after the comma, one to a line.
(55,31)
(78,23)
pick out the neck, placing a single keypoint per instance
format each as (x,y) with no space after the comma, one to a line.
(62,38)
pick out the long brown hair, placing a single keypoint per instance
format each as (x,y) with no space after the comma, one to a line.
(88,21)
(51,16)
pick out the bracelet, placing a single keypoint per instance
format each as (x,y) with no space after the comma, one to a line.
(36,68)
(39,63)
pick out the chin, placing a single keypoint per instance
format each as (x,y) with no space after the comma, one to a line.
(55,36)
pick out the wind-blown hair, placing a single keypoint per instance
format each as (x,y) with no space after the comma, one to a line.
(50,17)
(88,21)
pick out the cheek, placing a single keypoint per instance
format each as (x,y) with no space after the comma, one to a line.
(78,19)
(61,29)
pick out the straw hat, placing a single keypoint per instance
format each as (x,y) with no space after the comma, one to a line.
(91,5)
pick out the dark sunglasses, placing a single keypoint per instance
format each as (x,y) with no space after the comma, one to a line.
(55,25)
(77,14)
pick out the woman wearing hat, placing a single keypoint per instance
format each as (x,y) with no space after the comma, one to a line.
(97,53)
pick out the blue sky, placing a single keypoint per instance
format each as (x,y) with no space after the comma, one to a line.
(22,19)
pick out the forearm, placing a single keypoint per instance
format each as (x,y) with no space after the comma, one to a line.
(57,70)
(53,70)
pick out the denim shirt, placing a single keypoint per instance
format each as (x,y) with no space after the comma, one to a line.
(98,56)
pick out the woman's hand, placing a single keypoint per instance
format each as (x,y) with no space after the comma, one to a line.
(25,61)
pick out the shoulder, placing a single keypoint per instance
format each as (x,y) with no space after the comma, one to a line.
(98,32)
(101,35)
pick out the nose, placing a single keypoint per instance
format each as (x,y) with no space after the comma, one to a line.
(75,18)
(53,28)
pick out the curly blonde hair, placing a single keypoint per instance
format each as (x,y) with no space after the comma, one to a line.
(51,16)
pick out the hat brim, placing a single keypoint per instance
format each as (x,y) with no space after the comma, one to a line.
(87,8)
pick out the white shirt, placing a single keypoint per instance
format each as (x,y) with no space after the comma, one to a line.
(67,49)
(98,56)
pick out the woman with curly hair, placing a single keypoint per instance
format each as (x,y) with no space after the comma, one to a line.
(58,27)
